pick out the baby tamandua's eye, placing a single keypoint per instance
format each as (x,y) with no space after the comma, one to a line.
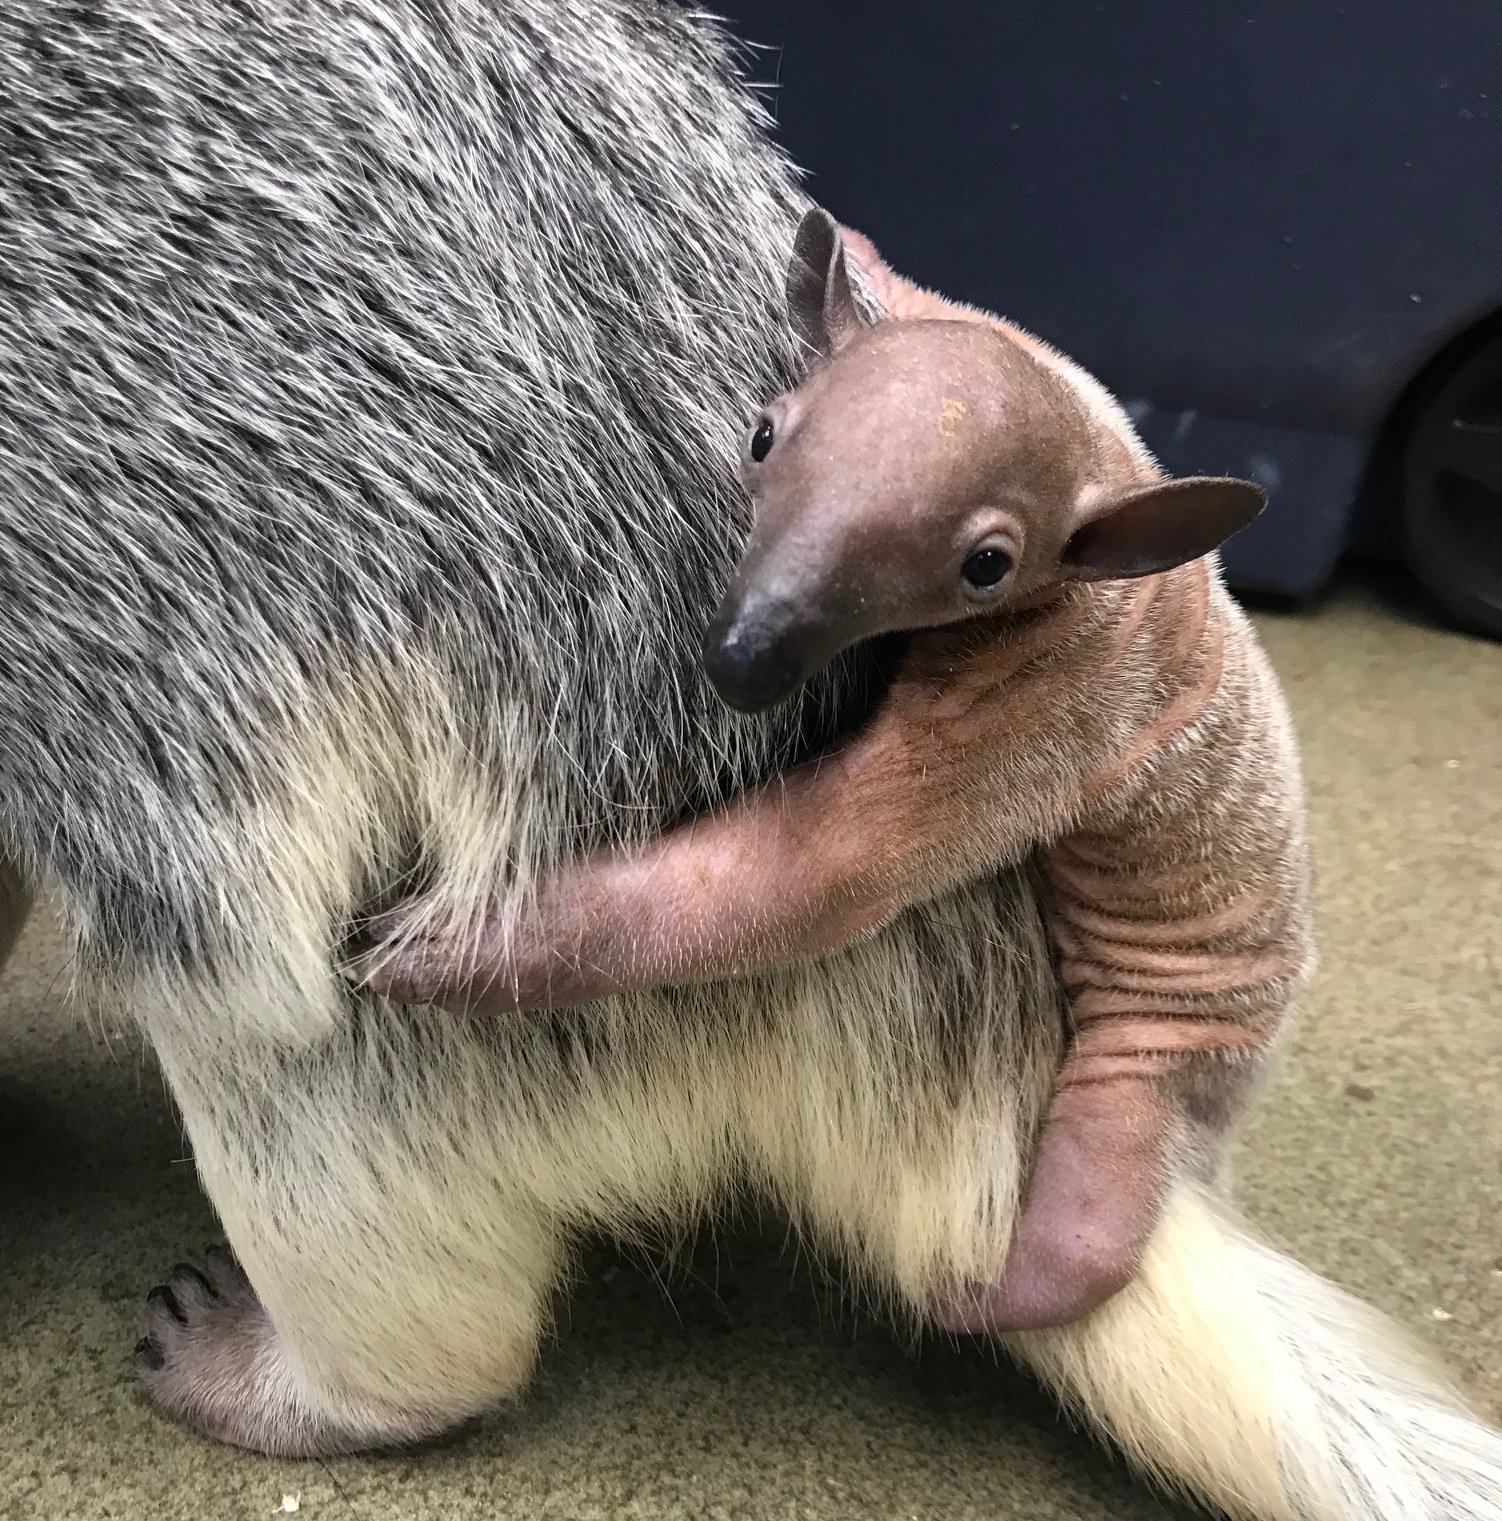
(761,440)
(987,567)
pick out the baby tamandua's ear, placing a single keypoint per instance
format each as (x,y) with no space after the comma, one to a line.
(1141,530)
(821,303)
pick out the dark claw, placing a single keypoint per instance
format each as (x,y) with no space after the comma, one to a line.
(187,1270)
(164,1296)
(149,1355)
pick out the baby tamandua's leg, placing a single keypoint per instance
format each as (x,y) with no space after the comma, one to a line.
(1177,980)
(1181,919)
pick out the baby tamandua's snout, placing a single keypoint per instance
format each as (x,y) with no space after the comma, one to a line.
(891,490)
(928,471)
(757,655)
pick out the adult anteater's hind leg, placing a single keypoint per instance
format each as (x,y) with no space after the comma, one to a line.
(391,1272)
(399,1196)
(409,1341)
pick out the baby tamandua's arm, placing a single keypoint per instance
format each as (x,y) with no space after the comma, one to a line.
(979,751)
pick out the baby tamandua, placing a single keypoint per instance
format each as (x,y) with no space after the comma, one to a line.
(1080,687)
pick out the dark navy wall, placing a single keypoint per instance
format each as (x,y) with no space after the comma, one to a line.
(1256,221)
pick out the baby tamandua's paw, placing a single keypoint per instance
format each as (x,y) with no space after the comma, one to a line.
(496,964)
(410,955)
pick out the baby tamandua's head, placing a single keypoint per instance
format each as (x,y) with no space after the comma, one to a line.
(928,471)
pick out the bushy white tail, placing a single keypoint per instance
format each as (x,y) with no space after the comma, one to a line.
(1235,1376)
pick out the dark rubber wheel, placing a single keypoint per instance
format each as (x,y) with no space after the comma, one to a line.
(1452,491)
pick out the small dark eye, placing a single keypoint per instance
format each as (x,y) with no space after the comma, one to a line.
(761,440)
(986,567)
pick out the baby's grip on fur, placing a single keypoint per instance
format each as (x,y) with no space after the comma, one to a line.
(1231,1373)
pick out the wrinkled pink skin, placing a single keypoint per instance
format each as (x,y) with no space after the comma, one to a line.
(1040,732)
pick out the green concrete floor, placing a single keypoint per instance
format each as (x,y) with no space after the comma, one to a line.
(741,1389)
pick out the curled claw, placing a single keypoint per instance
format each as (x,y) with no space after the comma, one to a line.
(402,977)
(384,957)
(148,1355)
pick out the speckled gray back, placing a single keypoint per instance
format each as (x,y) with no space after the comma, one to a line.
(351,337)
